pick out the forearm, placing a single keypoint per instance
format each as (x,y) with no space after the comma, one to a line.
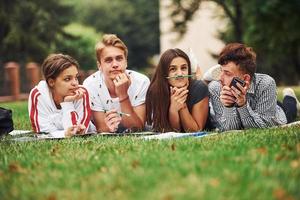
(188,122)
(229,120)
(132,121)
(252,119)
(70,117)
(174,120)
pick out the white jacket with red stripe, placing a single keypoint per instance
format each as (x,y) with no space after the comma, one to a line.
(45,117)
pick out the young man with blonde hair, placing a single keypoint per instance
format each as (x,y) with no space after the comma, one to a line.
(115,90)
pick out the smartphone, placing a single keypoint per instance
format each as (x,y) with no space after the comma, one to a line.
(236,80)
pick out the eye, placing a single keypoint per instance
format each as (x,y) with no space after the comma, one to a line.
(108,60)
(172,69)
(184,68)
(67,79)
(119,58)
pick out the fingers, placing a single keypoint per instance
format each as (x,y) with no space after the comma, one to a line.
(179,91)
(75,129)
(112,120)
(71,131)
(226,96)
(121,79)
(80,129)
(78,94)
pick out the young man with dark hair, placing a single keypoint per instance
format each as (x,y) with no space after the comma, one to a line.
(243,98)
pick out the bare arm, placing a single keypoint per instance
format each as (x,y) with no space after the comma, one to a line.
(196,120)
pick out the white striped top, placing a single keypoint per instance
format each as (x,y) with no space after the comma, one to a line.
(260,111)
(45,117)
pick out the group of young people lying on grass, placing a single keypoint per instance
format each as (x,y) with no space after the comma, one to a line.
(114,99)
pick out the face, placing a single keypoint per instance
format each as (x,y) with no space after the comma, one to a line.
(66,83)
(178,66)
(112,62)
(229,71)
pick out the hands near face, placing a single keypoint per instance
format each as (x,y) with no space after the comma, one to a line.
(122,83)
(78,94)
(75,130)
(112,120)
(178,97)
(230,96)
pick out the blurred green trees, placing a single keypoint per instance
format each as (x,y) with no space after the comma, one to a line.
(136,22)
(30,30)
(270,27)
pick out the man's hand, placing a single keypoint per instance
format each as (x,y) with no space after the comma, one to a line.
(178,98)
(78,94)
(112,120)
(240,94)
(122,83)
(75,129)
(226,96)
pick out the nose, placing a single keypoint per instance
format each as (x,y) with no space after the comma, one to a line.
(179,72)
(115,64)
(75,82)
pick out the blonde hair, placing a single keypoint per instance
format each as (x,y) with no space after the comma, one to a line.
(110,40)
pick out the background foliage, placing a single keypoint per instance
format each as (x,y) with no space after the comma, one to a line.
(30,30)
(270,27)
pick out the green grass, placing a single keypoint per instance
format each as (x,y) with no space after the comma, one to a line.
(254,164)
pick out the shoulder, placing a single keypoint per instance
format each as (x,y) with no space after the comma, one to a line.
(198,87)
(198,84)
(138,78)
(92,79)
(264,80)
(214,86)
(41,88)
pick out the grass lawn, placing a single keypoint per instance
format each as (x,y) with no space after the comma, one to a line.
(254,164)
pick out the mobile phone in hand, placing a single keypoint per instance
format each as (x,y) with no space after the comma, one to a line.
(236,80)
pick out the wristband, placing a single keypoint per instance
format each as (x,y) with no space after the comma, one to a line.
(124,99)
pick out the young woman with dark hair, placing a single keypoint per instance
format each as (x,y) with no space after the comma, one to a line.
(174,101)
(58,104)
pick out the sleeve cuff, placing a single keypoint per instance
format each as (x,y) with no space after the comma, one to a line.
(229,111)
(244,111)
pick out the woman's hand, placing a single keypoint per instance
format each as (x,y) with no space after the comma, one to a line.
(178,98)
(75,130)
(78,94)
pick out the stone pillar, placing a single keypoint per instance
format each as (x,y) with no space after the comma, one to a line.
(12,69)
(33,74)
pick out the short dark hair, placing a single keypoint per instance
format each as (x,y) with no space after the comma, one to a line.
(241,55)
(54,64)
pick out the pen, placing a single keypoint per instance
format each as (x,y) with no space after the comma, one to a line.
(179,76)
(120,113)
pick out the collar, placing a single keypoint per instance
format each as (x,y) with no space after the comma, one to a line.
(252,85)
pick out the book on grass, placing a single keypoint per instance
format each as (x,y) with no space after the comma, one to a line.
(171,135)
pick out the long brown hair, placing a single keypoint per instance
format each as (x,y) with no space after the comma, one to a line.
(158,94)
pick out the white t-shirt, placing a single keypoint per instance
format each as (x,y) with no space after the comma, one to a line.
(45,117)
(101,99)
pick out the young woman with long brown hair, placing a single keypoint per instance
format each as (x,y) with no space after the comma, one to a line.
(174,101)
